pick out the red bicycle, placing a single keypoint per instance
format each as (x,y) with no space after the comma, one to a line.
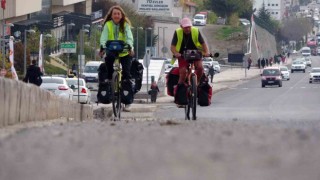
(191,56)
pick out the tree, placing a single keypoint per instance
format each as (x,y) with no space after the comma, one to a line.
(264,15)
(225,8)
(295,29)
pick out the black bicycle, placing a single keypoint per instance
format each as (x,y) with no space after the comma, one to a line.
(116,47)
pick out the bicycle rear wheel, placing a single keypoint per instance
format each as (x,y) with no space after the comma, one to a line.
(116,96)
(193,99)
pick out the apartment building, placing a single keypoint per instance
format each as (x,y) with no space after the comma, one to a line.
(277,8)
(49,16)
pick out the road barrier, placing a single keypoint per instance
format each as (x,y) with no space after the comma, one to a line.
(21,102)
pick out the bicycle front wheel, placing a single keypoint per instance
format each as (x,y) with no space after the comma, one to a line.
(193,100)
(116,96)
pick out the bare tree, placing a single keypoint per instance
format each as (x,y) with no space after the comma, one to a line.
(295,29)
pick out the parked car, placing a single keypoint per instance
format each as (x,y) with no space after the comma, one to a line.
(216,66)
(58,86)
(206,69)
(285,74)
(314,75)
(207,61)
(271,76)
(298,66)
(85,93)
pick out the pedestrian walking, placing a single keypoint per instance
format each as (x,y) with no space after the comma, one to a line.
(33,74)
(249,62)
(211,72)
(154,90)
(259,63)
(263,63)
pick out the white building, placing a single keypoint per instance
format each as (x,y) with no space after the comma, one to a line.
(277,8)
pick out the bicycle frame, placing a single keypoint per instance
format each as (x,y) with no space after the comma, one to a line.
(116,89)
(192,95)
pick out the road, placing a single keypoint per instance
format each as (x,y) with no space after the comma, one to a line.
(296,100)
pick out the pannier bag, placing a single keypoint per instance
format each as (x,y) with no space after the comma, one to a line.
(204,92)
(172,80)
(137,73)
(102,73)
(104,95)
(181,94)
(115,45)
(127,92)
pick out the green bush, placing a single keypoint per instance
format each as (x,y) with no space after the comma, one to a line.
(212,18)
(49,69)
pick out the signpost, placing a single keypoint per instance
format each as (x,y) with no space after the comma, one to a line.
(152,7)
(69,47)
(146,63)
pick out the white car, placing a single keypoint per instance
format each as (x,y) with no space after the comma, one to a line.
(216,66)
(209,61)
(298,66)
(314,75)
(308,61)
(285,74)
(58,86)
(85,93)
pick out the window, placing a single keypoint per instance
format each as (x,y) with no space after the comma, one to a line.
(268,4)
(276,12)
(272,4)
(276,4)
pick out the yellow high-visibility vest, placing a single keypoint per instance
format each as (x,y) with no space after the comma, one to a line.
(121,36)
(194,35)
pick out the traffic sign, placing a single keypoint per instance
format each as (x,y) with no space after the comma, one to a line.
(68,47)
(146,59)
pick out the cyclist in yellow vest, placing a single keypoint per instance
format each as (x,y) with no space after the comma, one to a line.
(117,27)
(188,37)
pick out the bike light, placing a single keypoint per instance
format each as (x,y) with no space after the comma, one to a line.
(63,88)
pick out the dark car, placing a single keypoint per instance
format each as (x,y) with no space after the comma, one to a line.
(271,76)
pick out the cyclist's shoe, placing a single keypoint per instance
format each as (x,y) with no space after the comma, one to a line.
(127,108)
(181,106)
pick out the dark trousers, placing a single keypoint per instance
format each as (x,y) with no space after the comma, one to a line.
(211,77)
(125,63)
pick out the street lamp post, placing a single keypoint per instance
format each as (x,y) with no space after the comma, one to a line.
(97,27)
(68,55)
(25,50)
(42,53)
(163,39)
(137,42)
(3,43)
(82,31)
